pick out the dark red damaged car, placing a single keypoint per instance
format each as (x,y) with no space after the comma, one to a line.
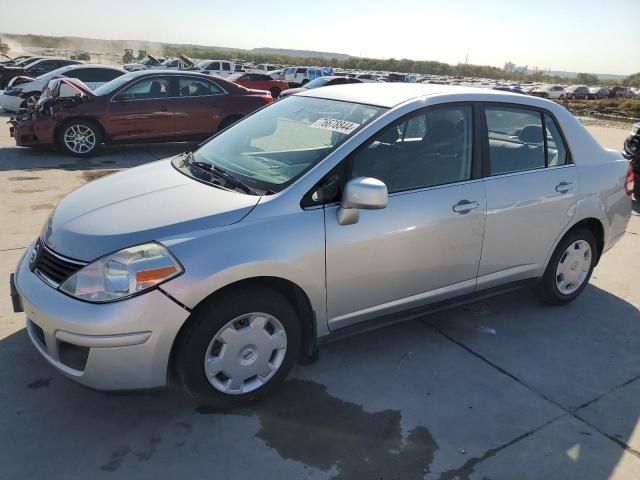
(145,106)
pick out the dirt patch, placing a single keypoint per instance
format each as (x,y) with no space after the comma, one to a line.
(302,422)
(43,206)
(29,190)
(23,179)
(90,175)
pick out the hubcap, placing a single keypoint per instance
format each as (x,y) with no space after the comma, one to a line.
(245,353)
(573,267)
(79,139)
(31,101)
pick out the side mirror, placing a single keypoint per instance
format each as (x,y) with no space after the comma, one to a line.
(361,193)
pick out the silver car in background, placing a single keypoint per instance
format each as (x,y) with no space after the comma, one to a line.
(327,212)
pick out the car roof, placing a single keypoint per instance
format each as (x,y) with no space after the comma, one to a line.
(93,65)
(390,95)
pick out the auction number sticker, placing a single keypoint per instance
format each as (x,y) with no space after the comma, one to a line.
(340,126)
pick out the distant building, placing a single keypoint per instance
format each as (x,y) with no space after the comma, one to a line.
(511,67)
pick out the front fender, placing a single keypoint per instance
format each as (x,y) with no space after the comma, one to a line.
(289,247)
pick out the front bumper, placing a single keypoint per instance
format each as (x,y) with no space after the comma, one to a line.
(116,346)
(33,131)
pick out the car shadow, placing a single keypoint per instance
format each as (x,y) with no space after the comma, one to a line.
(109,157)
(400,402)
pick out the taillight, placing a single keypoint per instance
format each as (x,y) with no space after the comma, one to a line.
(267,98)
(629,181)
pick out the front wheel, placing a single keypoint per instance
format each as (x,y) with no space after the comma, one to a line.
(570,268)
(30,102)
(80,138)
(237,347)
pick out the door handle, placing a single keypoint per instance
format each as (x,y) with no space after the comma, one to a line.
(564,187)
(465,206)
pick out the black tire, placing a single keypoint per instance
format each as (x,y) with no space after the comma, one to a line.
(83,124)
(275,92)
(548,288)
(208,319)
(227,122)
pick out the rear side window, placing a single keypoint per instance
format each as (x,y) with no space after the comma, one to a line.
(515,140)
(195,87)
(226,66)
(557,153)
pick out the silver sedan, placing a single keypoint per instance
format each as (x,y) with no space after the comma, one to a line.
(327,212)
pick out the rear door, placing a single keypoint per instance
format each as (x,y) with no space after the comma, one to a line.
(531,186)
(199,106)
(142,110)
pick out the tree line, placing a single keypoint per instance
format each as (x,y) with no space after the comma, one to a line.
(404,65)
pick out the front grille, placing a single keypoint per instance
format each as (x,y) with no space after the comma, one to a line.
(39,334)
(53,267)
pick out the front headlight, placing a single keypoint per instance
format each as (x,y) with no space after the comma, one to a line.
(122,274)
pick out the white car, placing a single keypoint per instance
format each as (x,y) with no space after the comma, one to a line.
(23,92)
(148,63)
(368,78)
(265,68)
(221,68)
(549,91)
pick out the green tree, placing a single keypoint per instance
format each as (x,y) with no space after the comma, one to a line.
(587,78)
(632,80)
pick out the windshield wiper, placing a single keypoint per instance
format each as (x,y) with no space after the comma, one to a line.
(220,172)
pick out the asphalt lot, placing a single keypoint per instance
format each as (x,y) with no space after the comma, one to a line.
(502,389)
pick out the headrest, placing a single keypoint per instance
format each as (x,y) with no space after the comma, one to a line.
(531,134)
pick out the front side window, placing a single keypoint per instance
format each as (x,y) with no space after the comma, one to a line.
(515,140)
(214,66)
(433,147)
(195,87)
(276,145)
(147,89)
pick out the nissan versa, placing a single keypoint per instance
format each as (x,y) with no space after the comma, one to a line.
(329,211)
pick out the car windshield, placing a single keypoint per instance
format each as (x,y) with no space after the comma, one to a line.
(272,148)
(109,87)
(318,82)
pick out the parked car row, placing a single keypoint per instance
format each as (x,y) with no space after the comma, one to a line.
(23,91)
(32,67)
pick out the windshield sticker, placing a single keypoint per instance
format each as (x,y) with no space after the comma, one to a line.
(340,126)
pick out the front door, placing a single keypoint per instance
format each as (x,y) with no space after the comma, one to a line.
(532,188)
(142,111)
(425,245)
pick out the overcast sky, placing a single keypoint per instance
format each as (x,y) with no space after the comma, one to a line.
(572,35)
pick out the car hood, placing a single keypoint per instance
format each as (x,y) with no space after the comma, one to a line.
(139,205)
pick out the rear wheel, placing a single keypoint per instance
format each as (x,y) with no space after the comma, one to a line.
(80,138)
(570,268)
(237,347)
